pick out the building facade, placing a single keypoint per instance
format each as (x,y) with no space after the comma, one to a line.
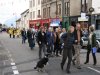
(71,9)
(35,9)
(96,13)
(35,13)
(18,23)
(25,19)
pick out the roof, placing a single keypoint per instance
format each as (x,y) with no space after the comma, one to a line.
(18,20)
(25,11)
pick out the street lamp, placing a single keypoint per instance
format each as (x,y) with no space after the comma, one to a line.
(91,9)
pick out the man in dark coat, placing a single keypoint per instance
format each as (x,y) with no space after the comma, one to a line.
(24,35)
(77,45)
(42,42)
(68,39)
(30,36)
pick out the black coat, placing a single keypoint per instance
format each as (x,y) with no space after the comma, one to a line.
(23,33)
(93,42)
(76,36)
(30,36)
(42,37)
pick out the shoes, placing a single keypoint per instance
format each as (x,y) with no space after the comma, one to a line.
(94,64)
(61,66)
(85,62)
(73,61)
(78,67)
(68,72)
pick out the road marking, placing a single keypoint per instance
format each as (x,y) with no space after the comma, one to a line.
(94,70)
(13,64)
(14,67)
(16,72)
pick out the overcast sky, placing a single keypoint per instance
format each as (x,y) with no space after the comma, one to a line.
(11,8)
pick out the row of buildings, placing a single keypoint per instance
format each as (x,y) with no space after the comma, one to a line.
(43,12)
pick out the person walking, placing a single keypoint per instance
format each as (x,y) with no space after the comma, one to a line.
(14,32)
(91,45)
(50,40)
(61,40)
(24,35)
(10,32)
(57,42)
(30,36)
(42,41)
(68,39)
(77,45)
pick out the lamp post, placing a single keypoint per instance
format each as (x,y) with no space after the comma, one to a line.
(91,9)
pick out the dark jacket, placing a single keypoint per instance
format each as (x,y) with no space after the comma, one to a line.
(30,35)
(68,39)
(50,39)
(76,36)
(93,41)
(42,38)
(23,33)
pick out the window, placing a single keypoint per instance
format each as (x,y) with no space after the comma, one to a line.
(38,2)
(33,3)
(67,8)
(59,9)
(84,5)
(38,13)
(33,14)
(48,12)
(44,13)
(30,4)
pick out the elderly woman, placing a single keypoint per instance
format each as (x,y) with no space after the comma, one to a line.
(91,45)
(50,40)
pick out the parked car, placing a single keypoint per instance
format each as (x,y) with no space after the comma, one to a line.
(84,41)
(97,32)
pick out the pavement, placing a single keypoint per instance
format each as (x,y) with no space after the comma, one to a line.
(18,59)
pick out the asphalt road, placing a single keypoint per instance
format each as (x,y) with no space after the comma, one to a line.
(20,60)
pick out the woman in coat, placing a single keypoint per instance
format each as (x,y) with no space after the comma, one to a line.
(91,45)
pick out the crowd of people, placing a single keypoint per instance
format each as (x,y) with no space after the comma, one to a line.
(14,32)
(61,42)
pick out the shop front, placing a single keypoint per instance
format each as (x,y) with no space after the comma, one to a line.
(42,22)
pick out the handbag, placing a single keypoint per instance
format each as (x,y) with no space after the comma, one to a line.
(94,49)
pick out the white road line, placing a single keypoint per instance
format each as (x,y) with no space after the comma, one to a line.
(13,64)
(14,67)
(94,70)
(16,72)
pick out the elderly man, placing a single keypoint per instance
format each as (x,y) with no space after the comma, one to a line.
(77,45)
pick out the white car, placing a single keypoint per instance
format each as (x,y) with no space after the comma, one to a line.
(97,32)
(84,41)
